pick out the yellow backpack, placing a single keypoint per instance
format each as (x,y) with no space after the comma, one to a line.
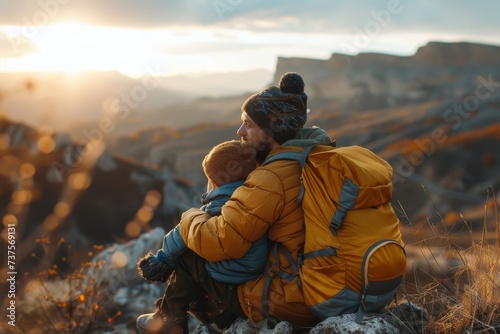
(353,258)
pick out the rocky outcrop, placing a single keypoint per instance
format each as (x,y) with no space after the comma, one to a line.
(436,71)
(403,318)
(115,270)
(438,54)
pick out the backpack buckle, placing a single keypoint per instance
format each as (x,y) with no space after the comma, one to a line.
(300,260)
(361,310)
(273,271)
(362,302)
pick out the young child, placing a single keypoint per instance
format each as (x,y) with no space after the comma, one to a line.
(226,167)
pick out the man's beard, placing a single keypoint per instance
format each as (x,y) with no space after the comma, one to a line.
(262,152)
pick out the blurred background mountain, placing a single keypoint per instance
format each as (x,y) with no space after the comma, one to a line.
(73,102)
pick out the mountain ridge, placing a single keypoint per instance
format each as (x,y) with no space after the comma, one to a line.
(77,101)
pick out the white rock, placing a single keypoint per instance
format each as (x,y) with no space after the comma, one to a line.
(347,324)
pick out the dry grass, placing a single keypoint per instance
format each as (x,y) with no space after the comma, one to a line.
(463,298)
(66,303)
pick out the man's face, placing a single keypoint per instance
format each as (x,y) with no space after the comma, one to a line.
(261,141)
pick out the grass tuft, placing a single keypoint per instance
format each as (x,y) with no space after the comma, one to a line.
(464,298)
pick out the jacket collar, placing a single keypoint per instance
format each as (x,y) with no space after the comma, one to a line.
(306,137)
(215,199)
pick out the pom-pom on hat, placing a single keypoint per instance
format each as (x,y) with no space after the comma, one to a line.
(280,111)
(229,161)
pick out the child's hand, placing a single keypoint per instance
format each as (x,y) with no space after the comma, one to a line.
(153,270)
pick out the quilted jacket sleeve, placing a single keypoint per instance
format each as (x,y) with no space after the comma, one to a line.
(244,219)
(173,247)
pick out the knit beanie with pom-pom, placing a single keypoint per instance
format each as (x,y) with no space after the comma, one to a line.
(280,111)
(229,161)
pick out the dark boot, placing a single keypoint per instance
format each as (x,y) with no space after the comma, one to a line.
(212,312)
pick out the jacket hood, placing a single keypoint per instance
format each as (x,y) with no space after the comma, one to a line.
(306,137)
(215,199)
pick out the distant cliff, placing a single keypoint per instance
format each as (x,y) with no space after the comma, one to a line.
(372,81)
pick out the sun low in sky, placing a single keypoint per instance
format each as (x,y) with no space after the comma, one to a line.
(75,47)
(223,36)
(68,47)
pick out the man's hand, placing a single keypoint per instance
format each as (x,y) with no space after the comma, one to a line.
(153,270)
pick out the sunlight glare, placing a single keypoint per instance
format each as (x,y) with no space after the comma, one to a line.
(73,47)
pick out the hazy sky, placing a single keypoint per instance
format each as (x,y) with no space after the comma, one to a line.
(168,37)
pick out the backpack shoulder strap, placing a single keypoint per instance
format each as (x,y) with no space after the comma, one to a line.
(301,157)
(298,156)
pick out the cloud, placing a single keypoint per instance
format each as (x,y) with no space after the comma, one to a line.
(210,32)
(122,13)
(310,16)
(320,16)
(208,47)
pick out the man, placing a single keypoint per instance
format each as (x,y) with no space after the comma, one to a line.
(272,120)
